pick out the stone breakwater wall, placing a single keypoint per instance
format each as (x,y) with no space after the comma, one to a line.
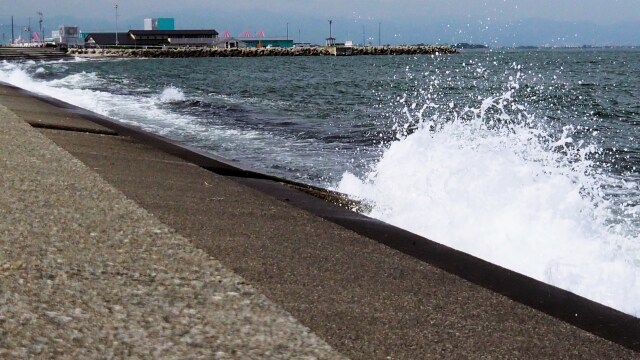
(403,50)
(253,52)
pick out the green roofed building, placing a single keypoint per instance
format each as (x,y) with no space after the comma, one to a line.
(267,42)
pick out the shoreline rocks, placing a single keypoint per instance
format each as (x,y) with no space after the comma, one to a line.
(260,52)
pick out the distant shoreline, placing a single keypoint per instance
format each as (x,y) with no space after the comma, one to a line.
(261,52)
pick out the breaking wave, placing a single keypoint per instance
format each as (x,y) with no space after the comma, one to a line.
(495,181)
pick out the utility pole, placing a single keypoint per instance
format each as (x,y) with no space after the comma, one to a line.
(13,39)
(299,37)
(29,30)
(379,39)
(287,31)
(364,41)
(41,37)
(116,6)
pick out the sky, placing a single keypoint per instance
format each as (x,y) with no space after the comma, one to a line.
(491,22)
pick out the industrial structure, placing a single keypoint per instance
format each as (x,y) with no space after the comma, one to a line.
(68,36)
(159,24)
(330,41)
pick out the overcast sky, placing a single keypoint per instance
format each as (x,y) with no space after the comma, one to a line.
(403,21)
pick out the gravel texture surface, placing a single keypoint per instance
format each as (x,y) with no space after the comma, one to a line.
(87,273)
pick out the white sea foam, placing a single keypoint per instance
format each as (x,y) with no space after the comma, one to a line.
(172,94)
(493,183)
(147,112)
(76,81)
(141,111)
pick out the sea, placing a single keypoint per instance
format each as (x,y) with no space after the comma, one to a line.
(529,159)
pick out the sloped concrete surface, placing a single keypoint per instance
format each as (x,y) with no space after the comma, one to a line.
(87,273)
(366,300)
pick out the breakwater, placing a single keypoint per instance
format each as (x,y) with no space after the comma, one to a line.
(259,52)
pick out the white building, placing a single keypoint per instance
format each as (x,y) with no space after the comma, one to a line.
(68,36)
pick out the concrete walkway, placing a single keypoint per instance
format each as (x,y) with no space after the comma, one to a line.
(87,273)
(365,299)
(30,53)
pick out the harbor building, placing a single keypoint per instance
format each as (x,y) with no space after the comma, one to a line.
(275,42)
(93,40)
(136,38)
(229,43)
(173,37)
(68,36)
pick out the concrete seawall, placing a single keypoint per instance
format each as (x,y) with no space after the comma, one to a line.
(86,273)
(386,294)
(30,53)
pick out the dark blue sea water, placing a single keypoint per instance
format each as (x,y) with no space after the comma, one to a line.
(529,159)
